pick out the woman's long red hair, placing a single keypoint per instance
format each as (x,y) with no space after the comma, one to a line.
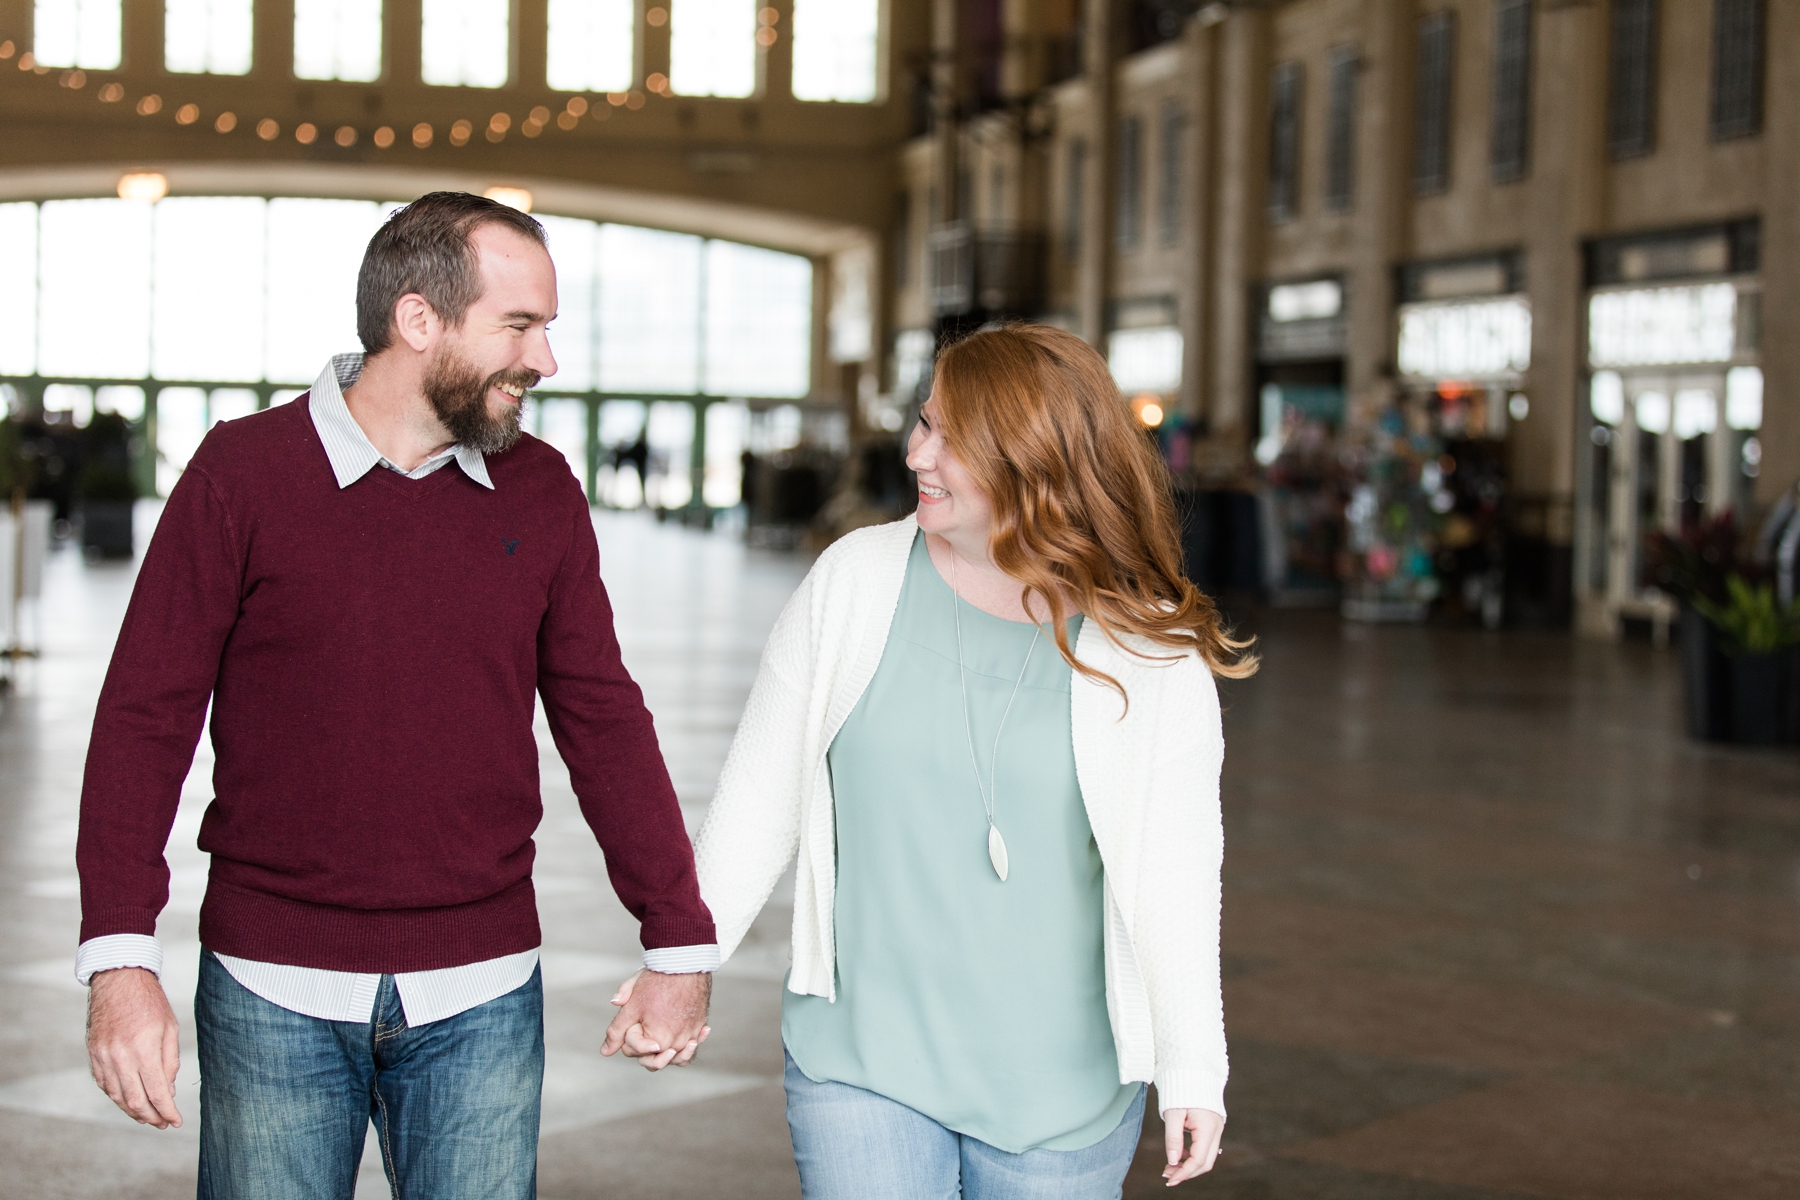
(1083,507)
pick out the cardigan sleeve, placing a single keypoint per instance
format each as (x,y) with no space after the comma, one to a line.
(752,829)
(1178,903)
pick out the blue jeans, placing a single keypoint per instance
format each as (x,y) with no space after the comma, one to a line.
(286,1099)
(852,1144)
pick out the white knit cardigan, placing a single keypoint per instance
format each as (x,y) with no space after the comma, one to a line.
(1149,779)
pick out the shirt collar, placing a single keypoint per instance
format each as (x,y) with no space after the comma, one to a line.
(351,452)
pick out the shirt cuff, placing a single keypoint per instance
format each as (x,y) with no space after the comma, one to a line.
(683,960)
(117,950)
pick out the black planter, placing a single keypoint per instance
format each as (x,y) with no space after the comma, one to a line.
(1759,698)
(1706,678)
(106,528)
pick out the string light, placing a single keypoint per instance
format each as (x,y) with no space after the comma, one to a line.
(143,185)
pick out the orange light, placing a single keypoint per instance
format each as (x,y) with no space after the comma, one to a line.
(26,61)
(421,135)
(768,16)
(578,105)
(150,105)
(459,133)
(615,98)
(512,197)
(634,101)
(143,185)
(268,129)
(345,136)
(657,17)
(1148,408)
(187,114)
(74,79)
(384,137)
(766,36)
(226,122)
(112,93)
(657,82)
(306,133)
(7,48)
(567,120)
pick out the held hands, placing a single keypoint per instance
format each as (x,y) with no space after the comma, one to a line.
(661,1020)
(1205,1127)
(134,1044)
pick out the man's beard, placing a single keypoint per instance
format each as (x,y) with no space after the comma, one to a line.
(458,395)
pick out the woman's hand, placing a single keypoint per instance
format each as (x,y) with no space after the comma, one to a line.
(1205,1128)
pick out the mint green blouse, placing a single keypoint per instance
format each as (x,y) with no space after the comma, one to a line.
(979,1003)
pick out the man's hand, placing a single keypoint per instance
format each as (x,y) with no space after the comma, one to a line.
(1206,1126)
(662,1018)
(134,1044)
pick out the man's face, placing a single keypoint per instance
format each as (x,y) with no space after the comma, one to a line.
(479,374)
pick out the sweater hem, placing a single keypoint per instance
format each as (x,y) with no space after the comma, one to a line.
(241,922)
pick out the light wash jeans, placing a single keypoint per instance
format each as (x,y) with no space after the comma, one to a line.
(852,1144)
(286,1099)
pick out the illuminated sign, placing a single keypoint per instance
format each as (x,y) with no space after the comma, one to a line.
(1306,301)
(1476,339)
(1647,327)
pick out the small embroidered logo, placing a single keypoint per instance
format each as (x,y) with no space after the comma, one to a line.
(511,544)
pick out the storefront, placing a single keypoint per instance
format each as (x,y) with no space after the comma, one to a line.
(1300,391)
(1674,406)
(1427,518)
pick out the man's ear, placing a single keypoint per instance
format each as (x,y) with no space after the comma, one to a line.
(415,321)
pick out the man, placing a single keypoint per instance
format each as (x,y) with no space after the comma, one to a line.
(369,585)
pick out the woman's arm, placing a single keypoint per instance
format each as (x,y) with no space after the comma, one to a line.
(752,828)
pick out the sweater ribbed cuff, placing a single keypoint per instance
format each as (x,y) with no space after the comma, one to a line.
(1190,1089)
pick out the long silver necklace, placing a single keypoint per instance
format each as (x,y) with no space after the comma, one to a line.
(996,845)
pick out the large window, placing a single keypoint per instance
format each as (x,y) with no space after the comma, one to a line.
(337,39)
(1631,79)
(1431,102)
(76,33)
(1170,163)
(590,45)
(1737,68)
(465,42)
(1344,65)
(207,36)
(1128,225)
(712,47)
(1284,141)
(835,45)
(227,302)
(1510,148)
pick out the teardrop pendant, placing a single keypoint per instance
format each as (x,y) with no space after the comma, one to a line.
(997,852)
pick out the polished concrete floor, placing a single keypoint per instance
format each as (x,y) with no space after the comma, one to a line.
(1494,928)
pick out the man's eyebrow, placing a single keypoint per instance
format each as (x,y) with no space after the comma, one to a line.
(520,314)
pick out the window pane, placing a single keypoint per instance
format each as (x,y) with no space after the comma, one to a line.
(712,47)
(590,45)
(835,44)
(337,39)
(77,33)
(574,246)
(211,36)
(76,399)
(207,306)
(228,404)
(727,429)
(465,42)
(127,401)
(758,321)
(180,424)
(618,481)
(671,483)
(563,424)
(315,251)
(94,290)
(649,310)
(18,299)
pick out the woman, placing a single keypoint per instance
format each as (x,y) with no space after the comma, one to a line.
(991,735)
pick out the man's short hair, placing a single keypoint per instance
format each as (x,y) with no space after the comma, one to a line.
(426,248)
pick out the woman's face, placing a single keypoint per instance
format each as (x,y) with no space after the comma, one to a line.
(950,503)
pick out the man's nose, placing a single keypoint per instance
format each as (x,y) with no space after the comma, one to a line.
(539,358)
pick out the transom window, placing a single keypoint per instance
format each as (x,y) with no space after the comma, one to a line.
(465,42)
(337,39)
(76,33)
(212,37)
(590,45)
(835,49)
(712,47)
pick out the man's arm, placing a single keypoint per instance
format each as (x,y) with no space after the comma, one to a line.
(146,725)
(608,739)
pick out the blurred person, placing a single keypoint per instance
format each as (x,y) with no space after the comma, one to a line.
(369,585)
(990,735)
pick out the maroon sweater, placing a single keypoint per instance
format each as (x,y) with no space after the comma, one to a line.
(371,654)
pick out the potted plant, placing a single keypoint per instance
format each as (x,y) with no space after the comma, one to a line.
(106,489)
(1759,639)
(1692,567)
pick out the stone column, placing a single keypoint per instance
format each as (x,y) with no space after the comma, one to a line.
(1383,205)
(141,37)
(775,69)
(273,57)
(402,27)
(1780,435)
(1099,55)
(1567,182)
(652,41)
(1201,53)
(1242,176)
